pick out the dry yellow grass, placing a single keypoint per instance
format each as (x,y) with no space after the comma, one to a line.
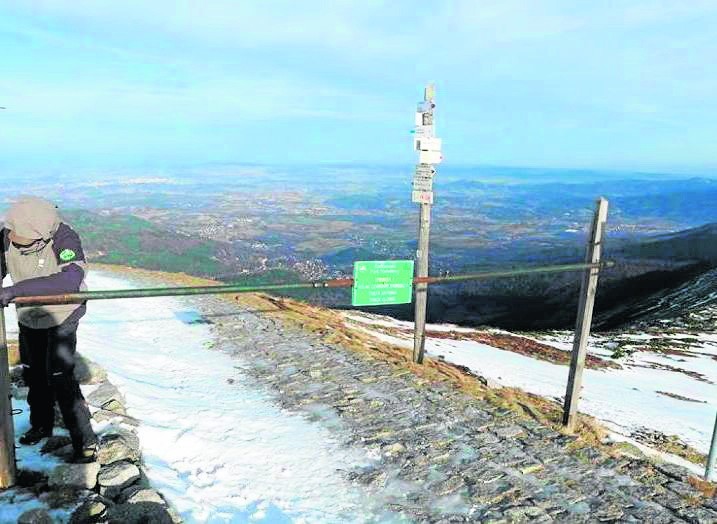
(708,489)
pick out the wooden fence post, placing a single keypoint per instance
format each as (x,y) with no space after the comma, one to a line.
(710,473)
(588,289)
(7,430)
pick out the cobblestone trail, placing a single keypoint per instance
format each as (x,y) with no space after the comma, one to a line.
(438,454)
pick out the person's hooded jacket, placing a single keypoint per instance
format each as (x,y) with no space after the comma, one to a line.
(54,264)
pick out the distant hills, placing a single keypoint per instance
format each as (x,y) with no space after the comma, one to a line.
(133,241)
(649,270)
(127,240)
(674,292)
(697,244)
(660,277)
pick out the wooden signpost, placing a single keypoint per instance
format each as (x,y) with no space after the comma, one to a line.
(588,289)
(429,153)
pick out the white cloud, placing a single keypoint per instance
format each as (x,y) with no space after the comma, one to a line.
(206,101)
(507,67)
(328,25)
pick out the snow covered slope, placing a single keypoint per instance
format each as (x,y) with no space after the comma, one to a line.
(669,392)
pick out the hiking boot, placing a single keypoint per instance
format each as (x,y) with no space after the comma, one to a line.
(35,435)
(87,454)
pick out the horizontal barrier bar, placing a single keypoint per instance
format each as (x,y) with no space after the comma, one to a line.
(512,272)
(74,298)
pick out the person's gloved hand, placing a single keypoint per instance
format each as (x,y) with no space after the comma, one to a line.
(6,295)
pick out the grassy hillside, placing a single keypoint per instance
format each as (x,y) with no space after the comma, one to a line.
(127,240)
(132,241)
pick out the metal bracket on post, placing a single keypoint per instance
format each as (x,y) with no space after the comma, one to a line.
(7,429)
(588,290)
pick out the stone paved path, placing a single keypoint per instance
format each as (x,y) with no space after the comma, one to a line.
(441,455)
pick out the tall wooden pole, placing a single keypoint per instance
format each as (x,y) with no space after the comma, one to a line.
(588,289)
(424,232)
(7,430)
(429,150)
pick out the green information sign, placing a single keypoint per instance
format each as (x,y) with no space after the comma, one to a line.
(382,283)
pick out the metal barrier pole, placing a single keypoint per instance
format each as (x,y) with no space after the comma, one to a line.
(588,290)
(710,473)
(7,429)
(560,268)
(74,298)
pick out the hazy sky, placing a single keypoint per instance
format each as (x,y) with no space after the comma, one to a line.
(619,84)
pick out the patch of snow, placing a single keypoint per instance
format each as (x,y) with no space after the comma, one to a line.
(14,502)
(702,364)
(384,321)
(625,399)
(219,452)
(659,456)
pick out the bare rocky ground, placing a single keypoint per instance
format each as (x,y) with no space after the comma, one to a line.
(114,489)
(439,454)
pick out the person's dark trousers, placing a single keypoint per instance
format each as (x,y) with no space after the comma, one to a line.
(48,359)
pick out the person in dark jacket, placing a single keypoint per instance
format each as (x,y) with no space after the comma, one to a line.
(44,256)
